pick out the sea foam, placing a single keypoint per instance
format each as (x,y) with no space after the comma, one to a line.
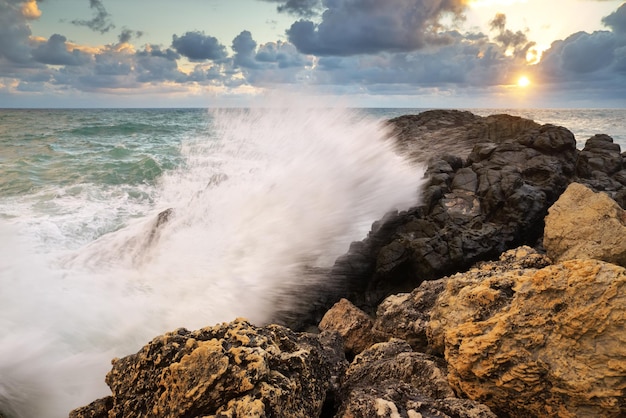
(266,195)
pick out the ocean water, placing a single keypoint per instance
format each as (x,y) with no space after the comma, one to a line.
(255,197)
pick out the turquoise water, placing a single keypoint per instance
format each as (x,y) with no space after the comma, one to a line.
(258,196)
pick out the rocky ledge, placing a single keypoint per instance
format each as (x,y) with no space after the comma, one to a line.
(502,295)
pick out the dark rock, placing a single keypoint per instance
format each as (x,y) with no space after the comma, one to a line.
(490,183)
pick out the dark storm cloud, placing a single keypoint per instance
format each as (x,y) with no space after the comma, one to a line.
(199,47)
(101,21)
(303,8)
(617,20)
(461,64)
(351,27)
(55,52)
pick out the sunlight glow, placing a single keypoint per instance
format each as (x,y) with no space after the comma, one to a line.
(523,81)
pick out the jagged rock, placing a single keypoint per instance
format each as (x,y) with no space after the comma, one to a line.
(354,326)
(601,167)
(584,224)
(491,196)
(390,380)
(406,315)
(473,211)
(230,370)
(537,342)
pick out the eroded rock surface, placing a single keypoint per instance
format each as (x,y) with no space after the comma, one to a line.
(230,370)
(391,380)
(544,342)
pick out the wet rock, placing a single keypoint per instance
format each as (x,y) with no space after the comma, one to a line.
(390,380)
(532,342)
(494,201)
(584,224)
(230,370)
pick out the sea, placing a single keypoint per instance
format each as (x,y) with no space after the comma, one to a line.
(118,225)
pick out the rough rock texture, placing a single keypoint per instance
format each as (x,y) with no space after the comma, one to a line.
(544,342)
(354,326)
(231,370)
(490,183)
(473,209)
(584,224)
(406,315)
(390,380)
(602,167)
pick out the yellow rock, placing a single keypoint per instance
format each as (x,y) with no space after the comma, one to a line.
(547,342)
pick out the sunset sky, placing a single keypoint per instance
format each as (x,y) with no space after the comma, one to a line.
(370,53)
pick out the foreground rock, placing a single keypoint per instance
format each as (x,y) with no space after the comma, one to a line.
(390,380)
(584,224)
(231,370)
(541,343)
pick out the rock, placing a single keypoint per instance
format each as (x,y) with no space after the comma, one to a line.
(230,370)
(438,132)
(495,201)
(532,342)
(390,380)
(406,315)
(490,183)
(354,326)
(601,167)
(584,224)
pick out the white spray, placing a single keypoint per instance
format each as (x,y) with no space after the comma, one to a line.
(266,195)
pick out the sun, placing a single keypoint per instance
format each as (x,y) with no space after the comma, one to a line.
(523,81)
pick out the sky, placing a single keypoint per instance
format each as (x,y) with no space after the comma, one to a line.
(365,53)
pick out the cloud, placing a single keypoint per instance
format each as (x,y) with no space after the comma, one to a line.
(271,63)
(351,27)
(617,20)
(303,8)
(100,21)
(153,64)
(580,56)
(244,47)
(55,52)
(15,32)
(126,35)
(199,47)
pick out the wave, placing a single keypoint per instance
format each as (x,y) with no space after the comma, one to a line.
(268,195)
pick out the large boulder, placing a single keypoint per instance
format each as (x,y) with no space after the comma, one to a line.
(533,342)
(585,224)
(230,370)
(473,209)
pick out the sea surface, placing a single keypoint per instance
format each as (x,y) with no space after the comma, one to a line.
(253,197)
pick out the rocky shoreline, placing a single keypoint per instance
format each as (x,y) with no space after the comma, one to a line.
(502,295)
